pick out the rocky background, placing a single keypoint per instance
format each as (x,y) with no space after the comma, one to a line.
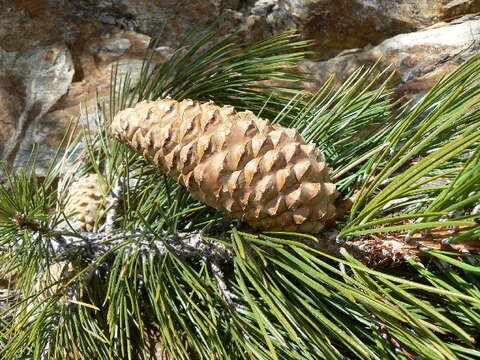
(55,54)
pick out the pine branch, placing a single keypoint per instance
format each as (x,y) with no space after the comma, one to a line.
(155,263)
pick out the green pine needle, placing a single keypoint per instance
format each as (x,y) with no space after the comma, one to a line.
(413,167)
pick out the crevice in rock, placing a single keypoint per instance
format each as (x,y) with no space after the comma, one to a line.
(30,115)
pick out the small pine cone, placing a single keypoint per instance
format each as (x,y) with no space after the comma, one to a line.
(56,272)
(85,201)
(233,161)
(49,283)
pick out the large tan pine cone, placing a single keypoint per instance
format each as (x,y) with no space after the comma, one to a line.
(234,161)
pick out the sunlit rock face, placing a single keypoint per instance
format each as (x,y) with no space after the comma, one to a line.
(419,58)
(346,24)
(57,55)
(54,61)
(34,80)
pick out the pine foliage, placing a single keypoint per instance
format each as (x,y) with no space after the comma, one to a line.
(160,275)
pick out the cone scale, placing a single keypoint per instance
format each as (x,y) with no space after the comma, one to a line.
(240,164)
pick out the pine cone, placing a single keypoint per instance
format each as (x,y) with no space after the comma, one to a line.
(85,201)
(56,272)
(233,161)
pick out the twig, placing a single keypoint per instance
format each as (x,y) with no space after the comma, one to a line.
(184,245)
(112,204)
(7,298)
(227,295)
(45,355)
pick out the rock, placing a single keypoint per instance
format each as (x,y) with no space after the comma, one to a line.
(83,38)
(120,49)
(170,20)
(419,58)
(346,24)
(334,25)
(57,57)
(41,96)
(34,81)
(267,17)
(28,24)
(12,101)
(117,46)
(454,8)
(256,28)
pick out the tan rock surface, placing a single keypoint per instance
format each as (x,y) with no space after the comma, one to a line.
(121,48)
(34,81)
(52,63)
(346,24)
(419,58)
(55,55)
